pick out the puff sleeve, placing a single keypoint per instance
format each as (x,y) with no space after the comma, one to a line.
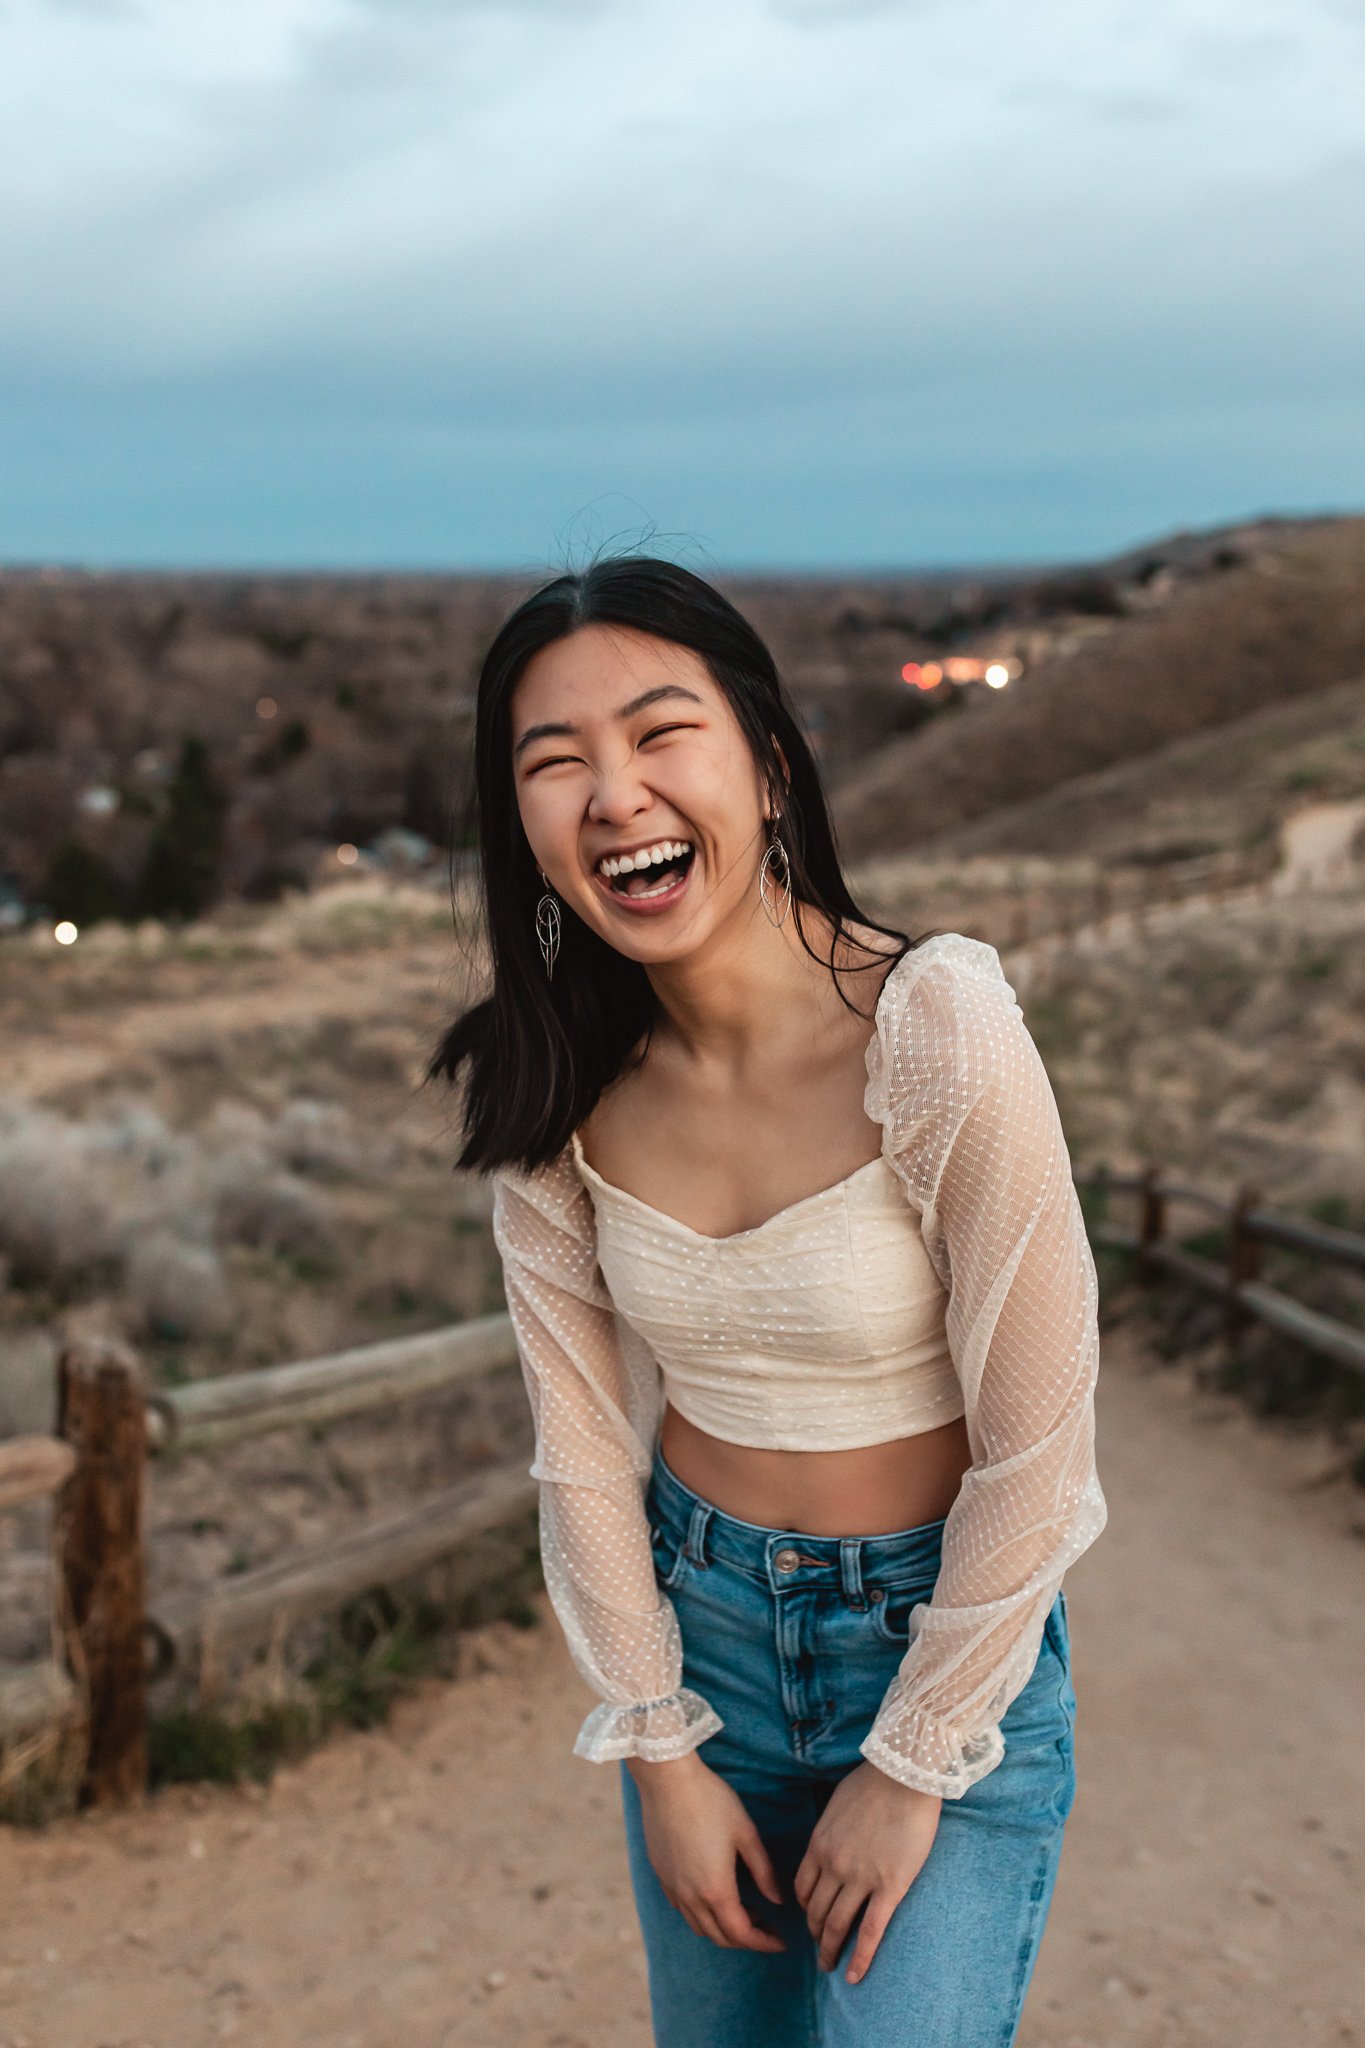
(971,1126)
(595,1396)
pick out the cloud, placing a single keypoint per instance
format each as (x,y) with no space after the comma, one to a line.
(98,10)
(401,223)
(842,13)
(1105,103)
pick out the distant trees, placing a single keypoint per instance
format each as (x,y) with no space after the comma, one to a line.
(81,885)
(180,874)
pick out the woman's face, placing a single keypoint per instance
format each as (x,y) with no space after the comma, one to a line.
(624,748)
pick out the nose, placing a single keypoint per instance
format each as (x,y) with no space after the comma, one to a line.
(618,795)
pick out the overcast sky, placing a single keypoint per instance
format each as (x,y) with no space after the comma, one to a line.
(796,283)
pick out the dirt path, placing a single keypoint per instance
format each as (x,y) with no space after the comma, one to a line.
(457,1879)
(1319,851)
(71,1050)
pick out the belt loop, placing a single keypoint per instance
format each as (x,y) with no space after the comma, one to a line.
(850,1570)
(695,1544)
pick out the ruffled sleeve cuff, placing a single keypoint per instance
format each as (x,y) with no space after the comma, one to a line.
(930,1756)
(657,1730)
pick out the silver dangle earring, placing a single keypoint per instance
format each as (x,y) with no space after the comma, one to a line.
(775,879)
(547,925)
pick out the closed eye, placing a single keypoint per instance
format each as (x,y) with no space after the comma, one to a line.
(654,733)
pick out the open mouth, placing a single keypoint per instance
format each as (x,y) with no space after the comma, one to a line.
(653,874)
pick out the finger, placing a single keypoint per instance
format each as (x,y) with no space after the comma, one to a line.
(741,1930)
(838,1921)
(761,1866)
(806,1878)
(876,1920)
(704,1922)
(689,1914)
(821,1899)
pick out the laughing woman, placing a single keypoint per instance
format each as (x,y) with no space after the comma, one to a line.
(807,1318)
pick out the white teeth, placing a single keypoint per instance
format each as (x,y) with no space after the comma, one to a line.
(628,863)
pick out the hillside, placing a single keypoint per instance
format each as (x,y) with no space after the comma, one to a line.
(1224,789)
(170,741)
(1286,622)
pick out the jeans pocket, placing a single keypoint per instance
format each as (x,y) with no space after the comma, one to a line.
(892,1607)
(668,1546)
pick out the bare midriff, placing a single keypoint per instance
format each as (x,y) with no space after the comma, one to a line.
(874,1490)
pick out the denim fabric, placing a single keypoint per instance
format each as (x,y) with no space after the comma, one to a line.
(796,1662)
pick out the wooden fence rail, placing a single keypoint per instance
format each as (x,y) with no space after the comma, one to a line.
(1062,911)
(210,1413)
(94,1470)
(110,1425)
(1236,1282)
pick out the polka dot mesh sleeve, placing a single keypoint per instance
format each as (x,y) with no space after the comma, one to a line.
(971,1125)
(595,1396)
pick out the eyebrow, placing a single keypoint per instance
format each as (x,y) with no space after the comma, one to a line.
(566,731)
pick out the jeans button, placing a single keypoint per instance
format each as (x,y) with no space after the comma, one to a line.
(786,1560)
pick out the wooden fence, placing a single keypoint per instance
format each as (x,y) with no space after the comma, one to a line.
(108,1647)
(1055,911)
(1235,1280)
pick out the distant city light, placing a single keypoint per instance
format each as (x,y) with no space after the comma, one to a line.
(266,707)
(961,668)
(927,677)
(347,854)
(65,933)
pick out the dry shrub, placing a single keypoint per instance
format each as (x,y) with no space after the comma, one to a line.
(125,1201)
(56,1222)
(315,1137)
(177,1288)
(257,1205)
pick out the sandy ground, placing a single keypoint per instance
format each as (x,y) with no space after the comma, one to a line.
(66,1053)
(458,1877)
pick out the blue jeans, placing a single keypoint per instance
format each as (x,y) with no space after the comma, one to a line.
(795,1661)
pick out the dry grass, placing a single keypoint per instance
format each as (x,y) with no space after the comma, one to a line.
(231,1161)
(1230,1047)
(1220,791)
(232,1164)
(267,1181)
(1288,623)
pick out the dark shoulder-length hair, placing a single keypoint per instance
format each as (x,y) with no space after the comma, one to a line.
(538,1052)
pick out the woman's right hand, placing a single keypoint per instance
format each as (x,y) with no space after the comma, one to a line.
(696,1826)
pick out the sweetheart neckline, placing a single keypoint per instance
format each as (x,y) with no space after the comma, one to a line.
(838,1187)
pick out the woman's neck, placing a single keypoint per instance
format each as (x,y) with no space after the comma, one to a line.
(734,1003)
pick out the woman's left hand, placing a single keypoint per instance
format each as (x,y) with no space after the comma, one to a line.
(869,1844)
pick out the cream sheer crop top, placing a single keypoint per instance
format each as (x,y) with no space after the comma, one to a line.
(949,1276)
(819,1330)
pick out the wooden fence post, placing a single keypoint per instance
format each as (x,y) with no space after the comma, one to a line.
(1244,1257)
(1151,1223)
(102,1414)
